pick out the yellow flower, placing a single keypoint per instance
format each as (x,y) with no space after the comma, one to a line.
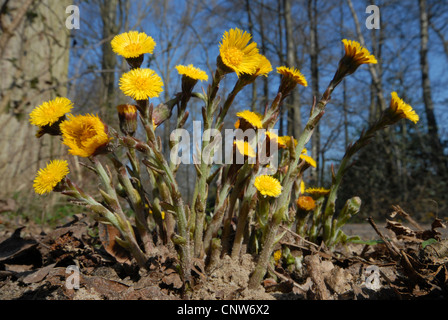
(281,141)
(287,140)
(254,119)
(141,84)
(277,255)
(317,192)
(84,135)
(132,44)
(292,74)
(245,148)
(192,72)
(268,186)
(264,66)
(357,54)
(50,112)
(306,203)
(237,54)
(49,177)
(302,187)
(308,160)
(402,109)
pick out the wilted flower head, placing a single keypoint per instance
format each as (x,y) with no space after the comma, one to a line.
(141,84)
(49,114)
(268,186)
(49,177)
(85,135)
(306,203)
(402,109)
(127,115)
(236,54)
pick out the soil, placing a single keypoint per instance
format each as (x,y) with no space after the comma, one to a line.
(409,262)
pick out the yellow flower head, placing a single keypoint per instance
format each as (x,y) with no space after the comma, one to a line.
(50,112)
(356,53)
(317,192)
(249,118)
(268,186)
(236,54)
(302,187)
(85,135)
(281,141)
(49,177)
(277,255)
(245,148)
(264,66)
(293,74)
(308,160)
(192,72)
(141,84)
(132,44)
(287,140)
(402,109)
(306,203)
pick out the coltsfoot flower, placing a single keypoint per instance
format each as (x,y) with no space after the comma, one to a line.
(268,186)
(291,77)
(132,44)
(237,54)
(141,84)
(191,72)
(317,192)
(49,114)
(127,115)
(308,160)
(355,55)
(306,203)
(249,119)
(281,141)
(245,148)
(85,135)
(49,177)
(402,109)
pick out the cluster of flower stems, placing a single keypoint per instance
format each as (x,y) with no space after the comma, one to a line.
(244,216)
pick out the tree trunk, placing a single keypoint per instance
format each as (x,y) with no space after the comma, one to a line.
(294,127)
(437,150)
(315,139)
(34,67)
(108,9)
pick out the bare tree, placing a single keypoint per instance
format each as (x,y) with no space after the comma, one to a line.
(34,67)
(436,146)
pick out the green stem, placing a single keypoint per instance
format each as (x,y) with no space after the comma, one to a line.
(288,182)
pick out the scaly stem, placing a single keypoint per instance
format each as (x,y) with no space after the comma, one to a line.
(288,182)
